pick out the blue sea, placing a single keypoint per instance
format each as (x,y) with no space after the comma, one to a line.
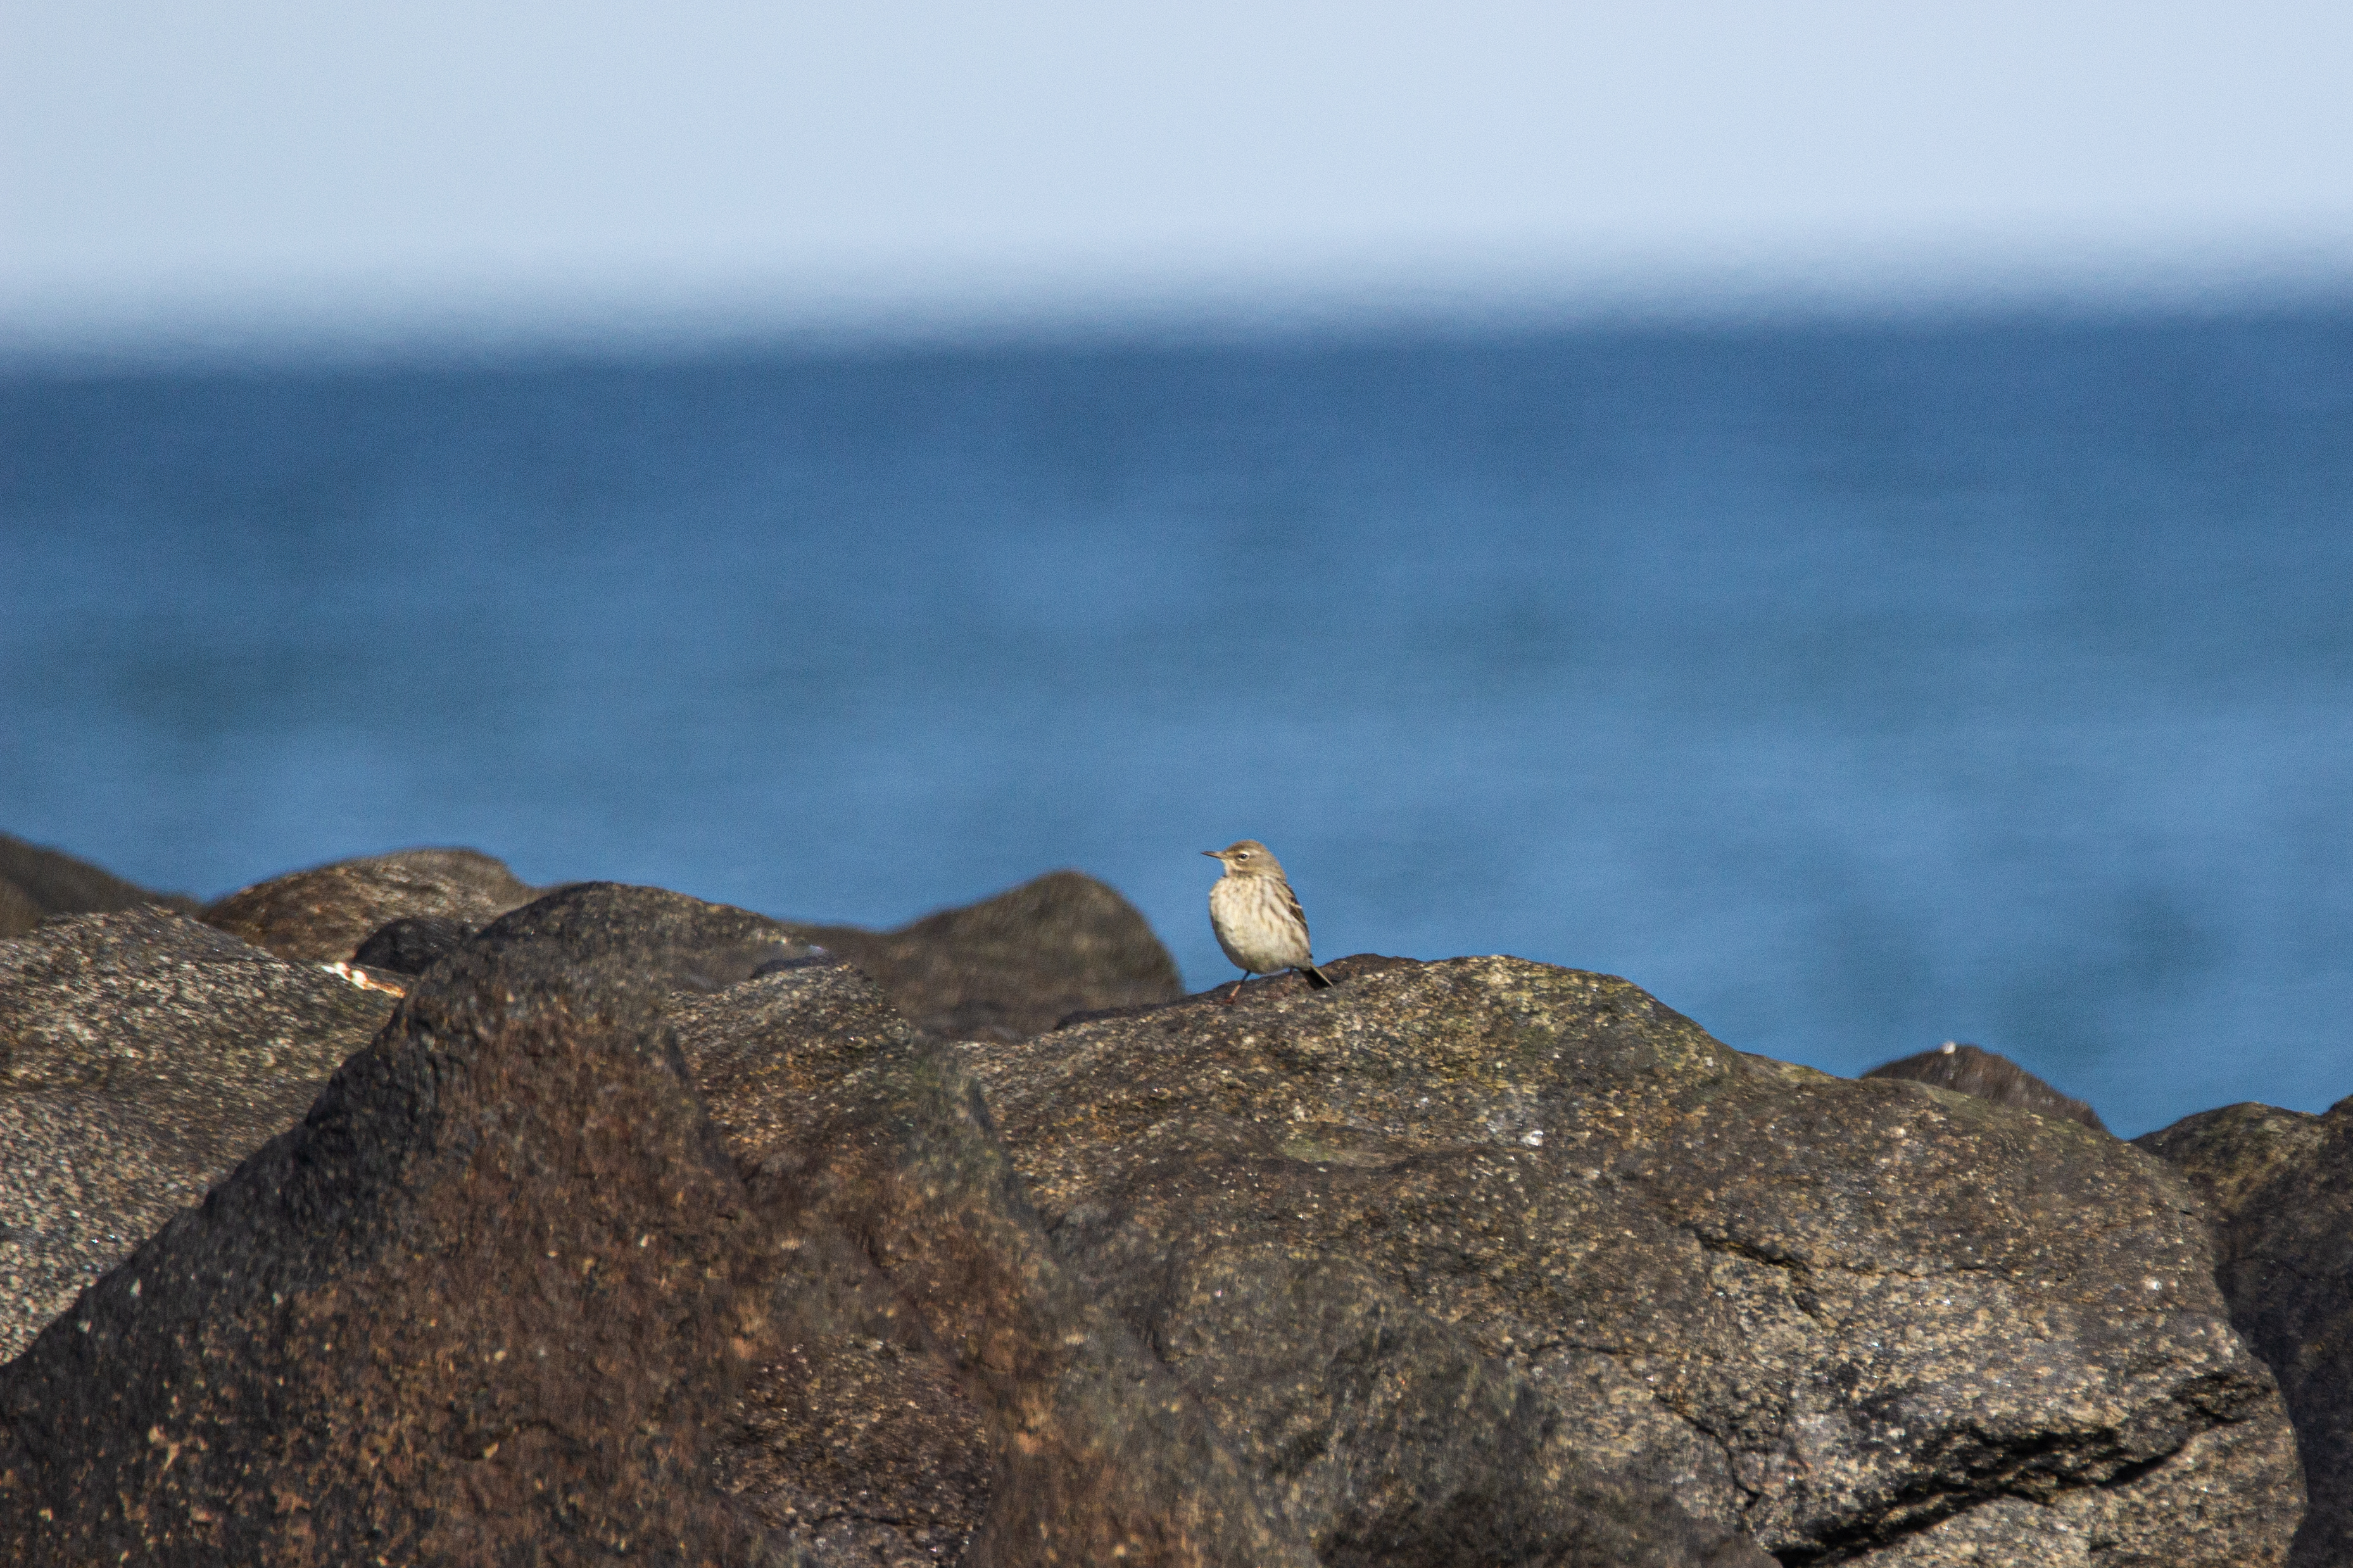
(1851,687)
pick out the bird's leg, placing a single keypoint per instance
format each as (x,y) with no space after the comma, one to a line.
(1236,994)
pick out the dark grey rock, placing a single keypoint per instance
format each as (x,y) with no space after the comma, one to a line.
(36,883)
(322,915)
(412,944)
(2279,1187)
(142,1057)
(1014,965)
(1971,1069)
(1450,1231)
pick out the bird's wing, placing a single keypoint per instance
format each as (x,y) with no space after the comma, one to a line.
(1298,914)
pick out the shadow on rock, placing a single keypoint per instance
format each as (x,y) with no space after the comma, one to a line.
(2279,1185)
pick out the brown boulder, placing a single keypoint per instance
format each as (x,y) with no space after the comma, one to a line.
(1013,965)
(2279,1187)
(36,883)
(322,915)
(1971,1069)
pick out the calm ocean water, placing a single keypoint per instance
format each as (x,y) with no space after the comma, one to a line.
(1852,689)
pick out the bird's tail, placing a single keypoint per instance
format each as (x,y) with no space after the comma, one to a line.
(1316,979)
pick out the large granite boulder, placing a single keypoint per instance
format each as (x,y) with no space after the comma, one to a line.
(1013,965)
(36,883)
(2279,1187)
(516,1289)
(142,1057)
(323,914)
(1972,1070)
(1432,1241)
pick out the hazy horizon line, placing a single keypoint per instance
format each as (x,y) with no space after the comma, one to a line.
(361,323)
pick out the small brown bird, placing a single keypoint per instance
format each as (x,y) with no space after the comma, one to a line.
(1257,916)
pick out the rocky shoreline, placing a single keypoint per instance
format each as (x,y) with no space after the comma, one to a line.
(578,1224)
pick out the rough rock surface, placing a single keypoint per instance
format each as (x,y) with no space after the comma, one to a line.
(1013,965)
(142,1057)
(36,883)
(1425,1238)
(322,915)
(2279,1185)
(1971,1069)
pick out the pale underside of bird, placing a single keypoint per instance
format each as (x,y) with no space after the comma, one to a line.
(1257,917)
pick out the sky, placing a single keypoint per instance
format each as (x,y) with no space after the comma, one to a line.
(182,173)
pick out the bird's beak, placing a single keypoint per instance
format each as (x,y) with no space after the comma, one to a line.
(1210,853)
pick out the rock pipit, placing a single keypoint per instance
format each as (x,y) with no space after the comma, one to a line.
(1257,917)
